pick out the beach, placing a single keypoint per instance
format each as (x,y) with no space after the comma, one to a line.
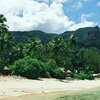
(17,86)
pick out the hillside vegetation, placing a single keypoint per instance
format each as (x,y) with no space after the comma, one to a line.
(88,37)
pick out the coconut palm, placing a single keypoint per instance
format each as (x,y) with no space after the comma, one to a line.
(34,47)
(5,42)
(56,48)
(3,26)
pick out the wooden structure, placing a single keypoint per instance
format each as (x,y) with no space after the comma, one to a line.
(5,70)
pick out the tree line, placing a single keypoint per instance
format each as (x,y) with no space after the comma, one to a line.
(34,59)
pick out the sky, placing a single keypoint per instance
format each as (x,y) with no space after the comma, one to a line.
(52,16)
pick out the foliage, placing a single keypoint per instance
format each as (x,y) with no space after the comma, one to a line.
(6,42)
(92,58)
(3,26)
(60,51)
(45,70)
(27,67)
(83,76)
(68,64)
(77,51)
(33,68)
(51,67)
(87,37)
(56,47)
(58,73)
(54,70)
(34,48)
(86,60)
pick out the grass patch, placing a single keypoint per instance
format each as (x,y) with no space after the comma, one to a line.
(88,95)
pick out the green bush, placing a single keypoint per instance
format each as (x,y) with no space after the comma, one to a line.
(83,76)
(46,75)
(58,73)
(54,70)
(45,70)
(51,64)
(33,68)
(27,67)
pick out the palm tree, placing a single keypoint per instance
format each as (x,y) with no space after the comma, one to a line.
(4,36)
(56,48)
(73,40)
(34,43)
(34,47)
(5,42)
(3,26)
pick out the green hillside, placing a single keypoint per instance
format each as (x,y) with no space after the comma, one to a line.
(87,37)
(25,35)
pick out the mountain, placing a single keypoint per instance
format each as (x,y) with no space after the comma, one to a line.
(88,37)
(25,35)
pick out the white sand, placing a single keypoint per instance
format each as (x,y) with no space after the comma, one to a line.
(11,86)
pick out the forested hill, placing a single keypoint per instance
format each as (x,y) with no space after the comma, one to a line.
(25,35)
(89,36)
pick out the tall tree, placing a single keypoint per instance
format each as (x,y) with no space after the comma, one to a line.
(60,52)
(5,42)
(34,48)
(3,26)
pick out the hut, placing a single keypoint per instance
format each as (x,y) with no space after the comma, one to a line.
(5,70)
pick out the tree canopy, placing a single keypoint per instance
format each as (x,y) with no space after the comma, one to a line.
(52,59)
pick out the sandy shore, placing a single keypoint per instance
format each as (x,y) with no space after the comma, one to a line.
(14,86)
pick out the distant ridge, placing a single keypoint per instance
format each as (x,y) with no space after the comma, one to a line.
(90,35)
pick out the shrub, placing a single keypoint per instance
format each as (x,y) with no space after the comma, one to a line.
(58,73)
(46,75)
(83,76)
(54,70)
(51,64)
(27,67)
(45,70)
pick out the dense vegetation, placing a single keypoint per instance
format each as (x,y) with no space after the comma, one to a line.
(88,37)
(33,58)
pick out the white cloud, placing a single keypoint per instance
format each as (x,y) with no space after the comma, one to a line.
(98,4)
(46,1)
(30,15)
(51,1)
(26,15)
(60,1)
(83,22)
(78,5)
(84,17)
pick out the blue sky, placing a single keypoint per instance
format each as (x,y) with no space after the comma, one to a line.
(88,7)
(50,15)
(75,8)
